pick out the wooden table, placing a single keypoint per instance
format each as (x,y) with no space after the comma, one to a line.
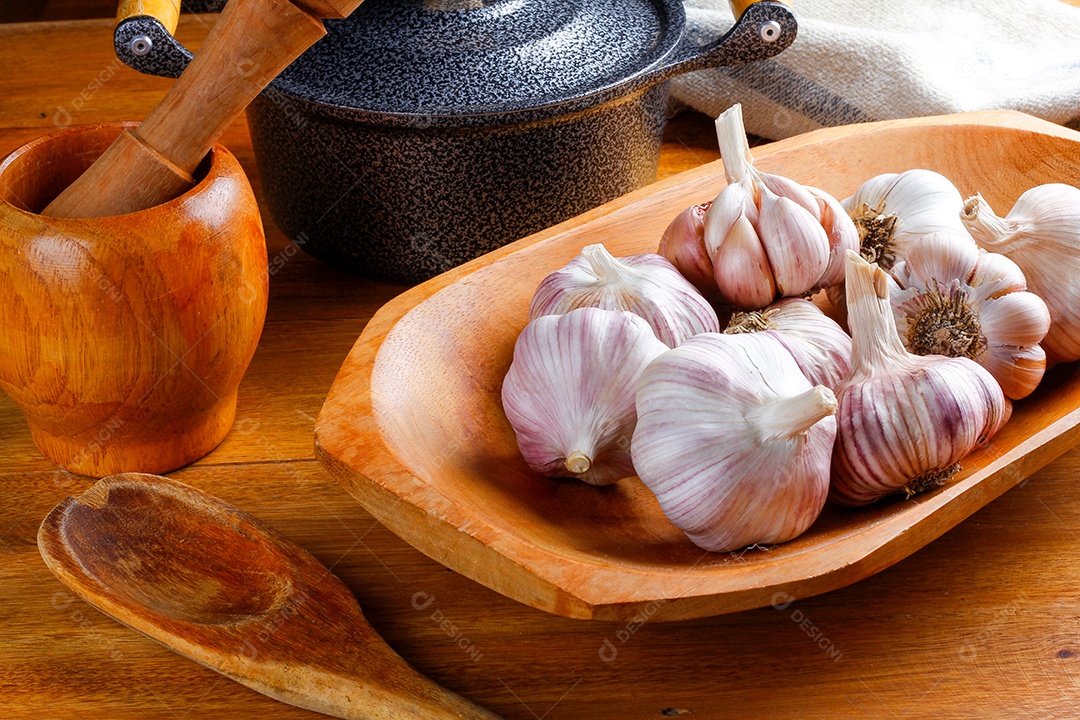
(983,623)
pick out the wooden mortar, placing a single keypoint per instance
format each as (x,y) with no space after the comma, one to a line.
(123,339)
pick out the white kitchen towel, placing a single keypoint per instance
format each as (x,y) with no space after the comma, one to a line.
(861,60)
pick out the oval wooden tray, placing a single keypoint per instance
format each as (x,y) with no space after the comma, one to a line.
(414,430)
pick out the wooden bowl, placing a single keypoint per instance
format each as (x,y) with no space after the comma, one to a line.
(413,426)
(123,339)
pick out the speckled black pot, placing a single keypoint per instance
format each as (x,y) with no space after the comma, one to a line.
(423,133)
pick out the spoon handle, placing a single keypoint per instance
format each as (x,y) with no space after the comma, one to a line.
(343,697)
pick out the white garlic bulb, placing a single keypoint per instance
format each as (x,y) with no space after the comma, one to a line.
(892,210)
(569,392)
(820,347)
(733,440)
(904,421)
(1041,234)
(951,298)
(766,235)
(647,285)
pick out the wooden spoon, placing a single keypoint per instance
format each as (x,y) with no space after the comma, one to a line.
(220,587)
(252,41)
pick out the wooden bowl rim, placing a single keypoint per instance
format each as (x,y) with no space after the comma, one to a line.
(222,163)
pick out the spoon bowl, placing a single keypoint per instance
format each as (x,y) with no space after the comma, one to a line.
(218,586)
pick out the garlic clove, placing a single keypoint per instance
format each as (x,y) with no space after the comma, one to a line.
(842,234)
(819,346)
(904,421)
(1016,318)
(796,192)
(734,203)
(1018,369)
(647,285)
(742,271)
(683,244)
(1041,234)
(995,275)
(569,392)
(734,442)
(795,244)
(941,256)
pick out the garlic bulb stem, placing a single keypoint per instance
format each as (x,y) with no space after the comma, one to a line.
(987,228)
(874,340)
(734,148)
(578,462)
(788,418)
(606,266)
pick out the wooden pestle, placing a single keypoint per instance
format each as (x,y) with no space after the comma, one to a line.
(251,43)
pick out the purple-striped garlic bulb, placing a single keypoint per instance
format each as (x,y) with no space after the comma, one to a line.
(951,298)
(733,440)
(569,393)
(820,347)
(904,421)
(647,285)
(767,236)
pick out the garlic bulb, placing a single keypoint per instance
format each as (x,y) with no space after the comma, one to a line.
(893,209)
(766,235)
(820,347)
(1041,234)
(569,393)
(647,285)
(904,421)
(733,440)
(950,298)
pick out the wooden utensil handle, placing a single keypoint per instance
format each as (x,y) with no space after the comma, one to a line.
(251,43)
(738,7)
(167,12)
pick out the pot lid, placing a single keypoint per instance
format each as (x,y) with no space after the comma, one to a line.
(474,57)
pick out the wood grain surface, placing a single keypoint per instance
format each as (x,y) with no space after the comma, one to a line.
(982,623)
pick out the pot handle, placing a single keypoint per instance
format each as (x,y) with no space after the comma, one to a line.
(144,40)
(764,29)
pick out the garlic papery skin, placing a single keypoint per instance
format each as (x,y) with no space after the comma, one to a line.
(904,421)
(766,235)
(820,347)
(950,298)
(569,392)
(1041,234)
(733,440)
(647,285)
